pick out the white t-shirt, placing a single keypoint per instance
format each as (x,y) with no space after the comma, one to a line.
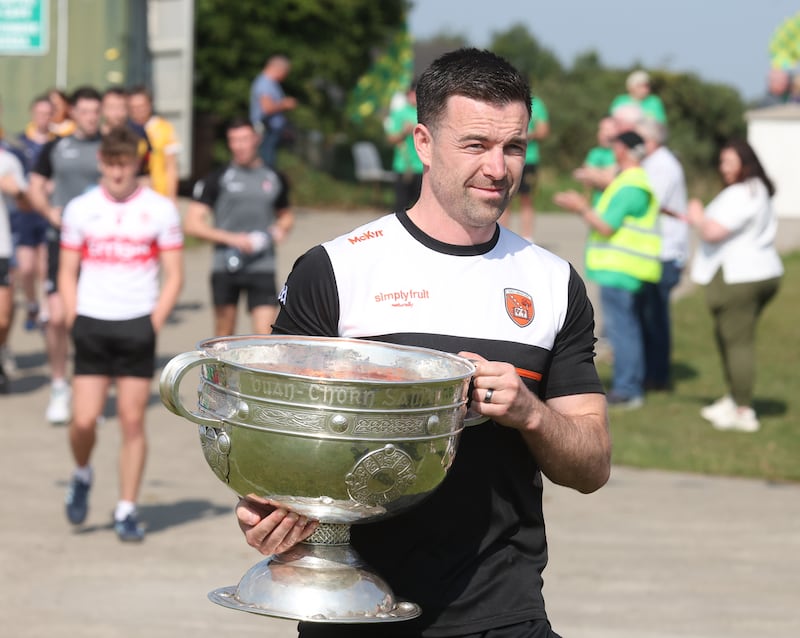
(9,165)
(669,184)
(120,242)
(748,253)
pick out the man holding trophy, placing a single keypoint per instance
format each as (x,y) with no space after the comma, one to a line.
(445,275)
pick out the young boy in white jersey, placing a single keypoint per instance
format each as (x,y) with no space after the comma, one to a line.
(114,241)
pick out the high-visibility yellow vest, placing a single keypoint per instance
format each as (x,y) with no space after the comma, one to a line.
(634,249)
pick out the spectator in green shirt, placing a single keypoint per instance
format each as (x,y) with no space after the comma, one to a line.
(638,92)
(600,165)
(399,127)
(538,129)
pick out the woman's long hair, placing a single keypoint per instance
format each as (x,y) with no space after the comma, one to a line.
(751,165)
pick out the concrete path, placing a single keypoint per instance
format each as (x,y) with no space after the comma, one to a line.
(651,555)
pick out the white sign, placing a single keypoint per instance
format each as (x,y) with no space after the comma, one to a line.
(23,27)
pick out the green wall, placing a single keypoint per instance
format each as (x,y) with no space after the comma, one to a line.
(97,54)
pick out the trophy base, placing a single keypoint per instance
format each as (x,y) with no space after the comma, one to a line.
(316,583)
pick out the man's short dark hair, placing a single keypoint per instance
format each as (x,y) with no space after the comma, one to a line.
(39,99)
(140,89)
(119,143)
(239,122)
(115,90)
(472,73)
(84,93)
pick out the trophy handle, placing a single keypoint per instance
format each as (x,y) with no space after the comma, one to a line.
(473,418)
(169,385)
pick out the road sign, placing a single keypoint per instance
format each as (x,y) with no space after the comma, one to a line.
(24,27)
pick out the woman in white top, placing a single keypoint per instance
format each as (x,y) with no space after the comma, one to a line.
(739,266)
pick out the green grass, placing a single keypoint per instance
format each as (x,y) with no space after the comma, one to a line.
(317,189)
(668,432)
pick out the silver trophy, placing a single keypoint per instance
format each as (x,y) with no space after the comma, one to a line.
(343,431)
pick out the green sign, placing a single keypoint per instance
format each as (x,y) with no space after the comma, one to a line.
(23,27)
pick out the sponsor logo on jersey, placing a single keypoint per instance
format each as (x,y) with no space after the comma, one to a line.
(519,306)
(283,294)
(402,298)
(370,234)
(119,250)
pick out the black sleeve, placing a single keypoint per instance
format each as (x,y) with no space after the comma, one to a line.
(206,190)
(572,369)
(283,199)
(309,299)
(44,166)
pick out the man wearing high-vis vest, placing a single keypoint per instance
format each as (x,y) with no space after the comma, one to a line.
(622,251)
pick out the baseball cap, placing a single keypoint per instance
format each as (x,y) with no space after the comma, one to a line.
(631,139)
(634,143)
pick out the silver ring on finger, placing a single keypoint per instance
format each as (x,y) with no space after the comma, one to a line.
(488,397)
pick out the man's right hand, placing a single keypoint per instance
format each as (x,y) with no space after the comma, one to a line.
(271,529)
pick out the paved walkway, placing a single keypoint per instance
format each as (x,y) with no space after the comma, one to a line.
(651,555)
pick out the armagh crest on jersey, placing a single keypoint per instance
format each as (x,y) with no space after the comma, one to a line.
(519,306)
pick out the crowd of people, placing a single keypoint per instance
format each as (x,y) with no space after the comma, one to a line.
(91,234)
(639,215)
(93,238)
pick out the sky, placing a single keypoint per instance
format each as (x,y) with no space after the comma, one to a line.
(724,41)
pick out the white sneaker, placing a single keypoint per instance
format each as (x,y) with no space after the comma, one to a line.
(742,420)
(58,410)
(720,410)
(7,361)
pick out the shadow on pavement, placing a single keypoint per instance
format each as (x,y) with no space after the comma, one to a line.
(158,518)
(165,515)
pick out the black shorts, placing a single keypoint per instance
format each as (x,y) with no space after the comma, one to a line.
(5,272)
(114,348)
(529,179)
(226,287)
(526,629)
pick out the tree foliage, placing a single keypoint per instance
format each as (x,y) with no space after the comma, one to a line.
(523,50)
(330,43)
(333,42)
(701,115)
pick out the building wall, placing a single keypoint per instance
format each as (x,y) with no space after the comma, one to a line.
(103,43)
(88,44)
(774,134)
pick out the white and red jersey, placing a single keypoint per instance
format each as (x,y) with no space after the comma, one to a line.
(120,243)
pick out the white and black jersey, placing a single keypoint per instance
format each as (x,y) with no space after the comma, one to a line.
(472,554)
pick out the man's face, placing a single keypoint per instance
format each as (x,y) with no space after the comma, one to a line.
(118,175)
(640,90)
(243,144)
(606,131)
(41,113)
(620,151)
(115,110)
(139,108)
(475,156)
(86,115)
(282,71)
(778,81)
